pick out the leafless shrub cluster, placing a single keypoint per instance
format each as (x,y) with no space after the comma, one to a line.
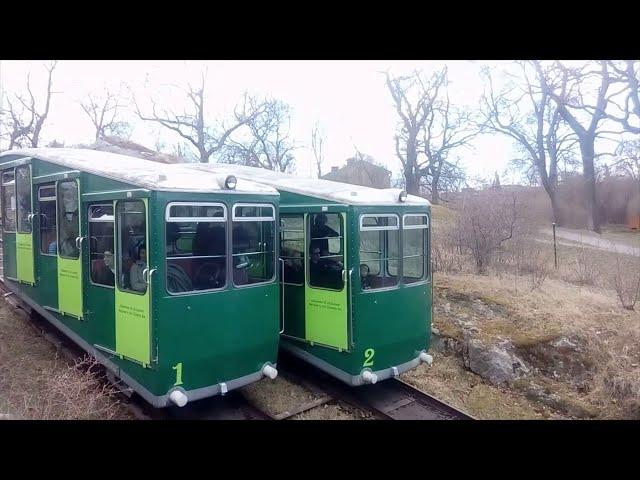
(446,255)
(76,393)
(626,281)
(485,222)
(582,267)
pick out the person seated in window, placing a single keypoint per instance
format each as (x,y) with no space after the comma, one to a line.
(136,279)
(365,279)
(320,232)
(52,249)
(68,248)
(106,273)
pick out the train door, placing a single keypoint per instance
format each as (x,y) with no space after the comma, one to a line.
(46,245)
(100,282)
(69,243)
(132,293)
(292,274)
(326,299)
(24,233)
(9,223)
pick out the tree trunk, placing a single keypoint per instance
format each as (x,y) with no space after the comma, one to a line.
(435,194)
(413,186)
(410,174)
(588,169)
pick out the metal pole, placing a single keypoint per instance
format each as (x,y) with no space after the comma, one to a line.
(555,250)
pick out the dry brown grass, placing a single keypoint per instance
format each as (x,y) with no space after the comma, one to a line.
(609,335)
(37,383)
(448,380)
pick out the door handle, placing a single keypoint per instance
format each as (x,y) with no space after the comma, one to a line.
(145,276)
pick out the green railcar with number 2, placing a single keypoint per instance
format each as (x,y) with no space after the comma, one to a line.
(356,289)
(166,275)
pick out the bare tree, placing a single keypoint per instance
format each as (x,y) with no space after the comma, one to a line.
(431,130)
(568,87)
(537,130)
(628,73)
(317,142)
(268,144)
(629,159)
(102,110)
(413,97)
(447,129)
(192,126)
(26,120)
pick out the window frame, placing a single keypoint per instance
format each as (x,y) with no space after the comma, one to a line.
(169,219)
(53,199)
(224,219)
(365,228)
(118,244)
(343,249)
(426,275)
(272,218)
(113,221)
(304,256)
(19,222)
(74,181)
(276,252)
(11,183)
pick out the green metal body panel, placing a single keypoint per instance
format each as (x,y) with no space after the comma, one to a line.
(394,322)
(10,267)
(195,340)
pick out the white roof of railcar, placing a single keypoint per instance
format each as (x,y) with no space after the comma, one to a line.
(324,189)
(139,172)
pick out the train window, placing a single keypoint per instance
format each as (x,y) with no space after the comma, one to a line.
(23,194)
(292,248)
(196,246)
(8,201)
(68,220)
(379,251)
(101,228)
(326,258)
(47,211)
(132,246)
(253,242)
(415,236)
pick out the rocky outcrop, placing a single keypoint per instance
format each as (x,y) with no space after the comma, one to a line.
(496,363)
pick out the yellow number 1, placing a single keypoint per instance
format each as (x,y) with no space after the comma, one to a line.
(178,369)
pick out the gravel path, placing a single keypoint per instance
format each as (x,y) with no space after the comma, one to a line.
(592,239)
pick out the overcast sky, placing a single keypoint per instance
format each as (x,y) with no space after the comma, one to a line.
(348,98)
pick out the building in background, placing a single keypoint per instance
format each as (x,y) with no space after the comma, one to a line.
(360,170)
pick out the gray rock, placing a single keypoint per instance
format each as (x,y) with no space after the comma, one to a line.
(496,363)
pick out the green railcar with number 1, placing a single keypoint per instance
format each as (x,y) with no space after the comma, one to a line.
(166,275)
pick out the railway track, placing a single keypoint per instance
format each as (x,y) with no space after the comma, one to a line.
(388,400)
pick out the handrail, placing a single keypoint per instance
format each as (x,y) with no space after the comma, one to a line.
(282,288)
(350,300)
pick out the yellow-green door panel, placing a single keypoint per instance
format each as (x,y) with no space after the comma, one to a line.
(24,258)
(326,311)
(133,313)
